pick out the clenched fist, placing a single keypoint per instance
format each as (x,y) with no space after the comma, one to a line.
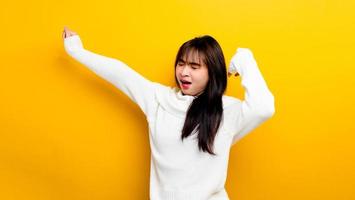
(242,58)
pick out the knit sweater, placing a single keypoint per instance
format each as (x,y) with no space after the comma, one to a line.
(178,170)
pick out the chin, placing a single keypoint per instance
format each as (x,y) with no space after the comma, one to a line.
(189,93)
(185,92)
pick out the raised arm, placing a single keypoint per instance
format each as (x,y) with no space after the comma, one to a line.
(258,104)
(135,86)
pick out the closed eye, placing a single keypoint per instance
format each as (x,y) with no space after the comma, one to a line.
(195,66)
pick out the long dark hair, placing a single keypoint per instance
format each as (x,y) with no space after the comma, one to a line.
(205,113)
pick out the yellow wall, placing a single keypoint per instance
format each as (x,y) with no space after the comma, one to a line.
(67,134)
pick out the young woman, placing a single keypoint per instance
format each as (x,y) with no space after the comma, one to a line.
(192,126)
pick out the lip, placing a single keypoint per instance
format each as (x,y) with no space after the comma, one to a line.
(185,80)
(185,86)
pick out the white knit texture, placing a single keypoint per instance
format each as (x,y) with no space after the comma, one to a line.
(178,170)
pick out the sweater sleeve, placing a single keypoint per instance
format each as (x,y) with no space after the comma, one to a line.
(136,87)
(258,103)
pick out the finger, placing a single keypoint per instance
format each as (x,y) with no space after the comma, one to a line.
(71,33)
(68,31)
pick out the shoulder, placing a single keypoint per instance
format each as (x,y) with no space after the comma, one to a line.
(161,89)
(229,101)
(163,93)
(231,107)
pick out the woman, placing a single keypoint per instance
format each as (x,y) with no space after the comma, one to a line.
(193,126)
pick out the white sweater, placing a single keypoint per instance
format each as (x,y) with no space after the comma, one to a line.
(178,170)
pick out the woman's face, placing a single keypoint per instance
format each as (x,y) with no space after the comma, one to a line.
(193,70)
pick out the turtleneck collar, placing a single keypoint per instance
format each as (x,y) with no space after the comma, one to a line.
(182,96)
(175,102)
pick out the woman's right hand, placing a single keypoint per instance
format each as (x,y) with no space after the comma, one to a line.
(67,32)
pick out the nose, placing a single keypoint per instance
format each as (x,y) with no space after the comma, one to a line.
(185,71)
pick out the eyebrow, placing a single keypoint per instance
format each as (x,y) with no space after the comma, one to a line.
(192,63)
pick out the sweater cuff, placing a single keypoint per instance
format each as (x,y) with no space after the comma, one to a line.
(242,57)
(73,43)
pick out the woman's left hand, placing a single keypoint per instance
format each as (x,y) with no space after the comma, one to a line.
(68,33)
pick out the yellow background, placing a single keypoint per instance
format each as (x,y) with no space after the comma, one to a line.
(67,134)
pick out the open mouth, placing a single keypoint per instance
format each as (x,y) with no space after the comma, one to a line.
(185,84)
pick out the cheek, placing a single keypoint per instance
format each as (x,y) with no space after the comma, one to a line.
(205,76)
(205,81)
(177,71)
(202,78)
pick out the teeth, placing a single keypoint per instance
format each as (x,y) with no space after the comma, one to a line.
(186,82)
